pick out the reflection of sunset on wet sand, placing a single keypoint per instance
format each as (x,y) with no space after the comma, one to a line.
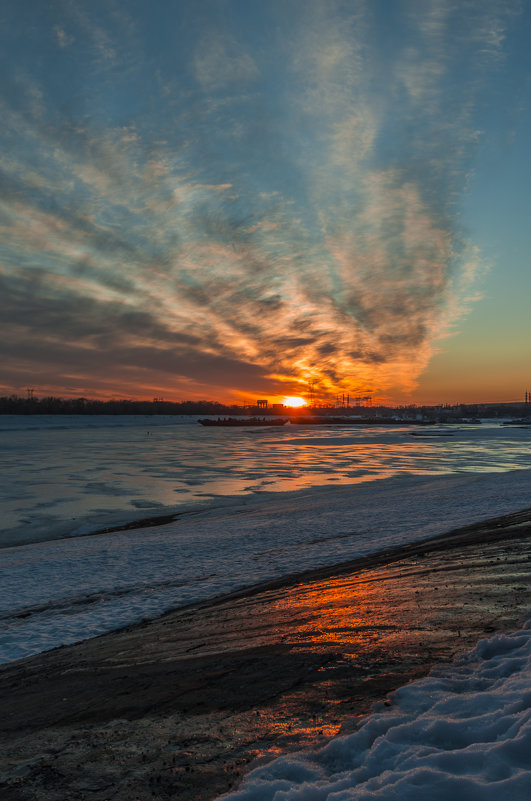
(189,700)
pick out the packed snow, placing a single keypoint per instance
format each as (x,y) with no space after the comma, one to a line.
(463,733)
(62,591)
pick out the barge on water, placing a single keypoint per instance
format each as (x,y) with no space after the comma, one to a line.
(249,421)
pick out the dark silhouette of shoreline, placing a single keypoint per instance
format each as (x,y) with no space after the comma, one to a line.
(14,404)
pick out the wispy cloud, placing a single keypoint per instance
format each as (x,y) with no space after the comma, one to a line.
(253,215)
(62,37)
(220,61)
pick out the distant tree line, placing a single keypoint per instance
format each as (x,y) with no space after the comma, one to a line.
(15,404)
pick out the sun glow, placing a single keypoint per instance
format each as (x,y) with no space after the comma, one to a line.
(294,401)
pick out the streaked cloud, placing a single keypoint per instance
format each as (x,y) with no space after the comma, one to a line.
(246,210)
(220,61)
(63,39)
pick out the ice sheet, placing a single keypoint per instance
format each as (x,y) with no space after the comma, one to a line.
(66,475)
(60,592)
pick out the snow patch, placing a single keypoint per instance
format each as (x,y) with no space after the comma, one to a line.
(463,733)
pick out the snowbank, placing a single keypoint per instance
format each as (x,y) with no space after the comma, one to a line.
(463,733)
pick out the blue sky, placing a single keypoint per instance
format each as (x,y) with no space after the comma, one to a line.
(231,199)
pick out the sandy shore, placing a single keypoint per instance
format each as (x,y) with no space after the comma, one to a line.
(180,706)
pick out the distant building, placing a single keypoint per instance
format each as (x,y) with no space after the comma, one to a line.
(262,404)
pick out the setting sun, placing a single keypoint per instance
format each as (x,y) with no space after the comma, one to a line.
(291,400)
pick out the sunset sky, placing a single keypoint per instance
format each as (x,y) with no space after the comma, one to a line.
(228,199)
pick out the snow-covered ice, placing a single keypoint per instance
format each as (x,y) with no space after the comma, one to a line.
(66,475)
(256,506)
(63,591)
(461,734)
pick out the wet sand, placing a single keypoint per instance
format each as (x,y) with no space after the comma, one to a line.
(178,708)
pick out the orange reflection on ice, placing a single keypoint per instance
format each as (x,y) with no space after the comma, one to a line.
(343,619)
(287,730)
(345,615)
(333,613)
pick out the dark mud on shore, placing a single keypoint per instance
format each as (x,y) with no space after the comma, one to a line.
(177,708)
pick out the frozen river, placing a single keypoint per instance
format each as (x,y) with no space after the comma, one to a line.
(64,475)
(253,505)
